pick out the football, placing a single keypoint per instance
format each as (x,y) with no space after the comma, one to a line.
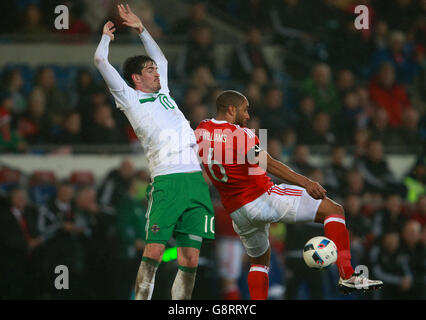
(319,253)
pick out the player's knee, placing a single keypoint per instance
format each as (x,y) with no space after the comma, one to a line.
(188,259)
(339,210)
(154,251)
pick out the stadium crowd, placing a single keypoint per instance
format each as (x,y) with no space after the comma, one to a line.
(358,94)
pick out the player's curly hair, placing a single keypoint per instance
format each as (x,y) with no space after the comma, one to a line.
(134,65)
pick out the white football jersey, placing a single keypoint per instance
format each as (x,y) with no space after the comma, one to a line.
(164,132)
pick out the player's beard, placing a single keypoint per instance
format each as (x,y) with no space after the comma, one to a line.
(157,86)
(239,119)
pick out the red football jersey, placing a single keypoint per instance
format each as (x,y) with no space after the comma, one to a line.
(223,149)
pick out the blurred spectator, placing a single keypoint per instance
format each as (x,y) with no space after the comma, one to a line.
(145,10)
(320,133)
(10,139)
(391,217)
(320,87)
(335,173)
(58,228)
(360,140)
(352,116)
(408,133)
(202,79)
(130,223)
(104,129)
(380,34)
(253,93)
(199,51)
(354,183)
(305,115)
(32,21)
(359,226)
(300,160)
(379,126)
(197,114)
(411,245)
(16,244)
(375,169)
(115,186)
(254,124)
(345,82)
(70,133)
(248,55)
(83,87)
(96,248)
(274,148)
(288,142)
(392,266)
(55,100)
(12,83)
(398,56)
(272,113)
(197,15)
(415,181)
(387,94)
(419,212)
(95,12)
(34,125)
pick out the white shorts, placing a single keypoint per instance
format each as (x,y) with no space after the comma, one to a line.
(283,203)
(229,253)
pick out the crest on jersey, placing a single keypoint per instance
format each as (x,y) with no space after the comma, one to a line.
(155,228)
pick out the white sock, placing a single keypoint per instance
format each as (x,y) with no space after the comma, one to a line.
(145,281)
(184,284)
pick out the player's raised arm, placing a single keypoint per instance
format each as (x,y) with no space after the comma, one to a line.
(280,170)
(108,72)
(152,49)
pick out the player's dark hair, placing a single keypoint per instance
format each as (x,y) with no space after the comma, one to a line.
(134,65)
(229,98)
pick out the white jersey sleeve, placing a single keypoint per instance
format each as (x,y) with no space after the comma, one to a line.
(155,53)
(116,84)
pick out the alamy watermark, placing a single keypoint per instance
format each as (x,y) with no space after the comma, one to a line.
(362,20)
(62,21)
(62,281)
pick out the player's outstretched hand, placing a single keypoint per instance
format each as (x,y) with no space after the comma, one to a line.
(129,18)
(315,190)
(109,29)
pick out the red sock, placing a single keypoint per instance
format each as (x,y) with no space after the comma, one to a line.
(335,229)
(258,282)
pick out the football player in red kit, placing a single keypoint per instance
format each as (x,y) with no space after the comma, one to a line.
(230,153)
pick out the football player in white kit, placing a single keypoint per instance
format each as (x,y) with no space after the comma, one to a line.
(179,199)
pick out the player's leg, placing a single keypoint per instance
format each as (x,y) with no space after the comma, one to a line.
(195,223)
(162,215)
(255,238)
(187,259)
(258,276)
(145,279)
(333,216)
